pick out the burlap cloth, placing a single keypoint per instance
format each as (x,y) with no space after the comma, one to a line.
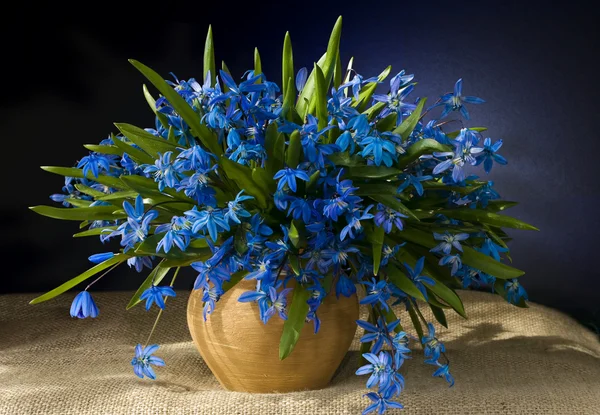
(506,361)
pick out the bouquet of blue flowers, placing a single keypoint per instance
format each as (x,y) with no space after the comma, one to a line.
(319,180)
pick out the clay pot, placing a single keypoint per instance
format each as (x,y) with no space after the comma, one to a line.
(243,353)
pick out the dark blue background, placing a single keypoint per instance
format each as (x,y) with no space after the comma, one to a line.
(534,63)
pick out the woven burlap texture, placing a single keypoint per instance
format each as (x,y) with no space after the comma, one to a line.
(506,360)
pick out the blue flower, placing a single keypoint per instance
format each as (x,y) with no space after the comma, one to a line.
(83,306)
(235,209)
(417,278)
(377,292)
(178,233)
(381,402)
(194,158)
(380,149)
(433,348)
(400,347)
(258,227)
(388,217)
(464,152)
(356,82)
(448,241)
(137,226)
(208,220)
(354,225)
(379,333)
(263,271)
(155,294)
(301,77)
(492,249)
(98,258)
(344,286)
(454,101)
(210,296)
(288,176)
(300,209)
(94,163)
(489,155)
(444,370)
(209,271)
(139,262)
(198,188)
(414,181)
(143,361)
(395,100)
(514,291)
(278,303)
(378,367)
(164,171)
(454,261)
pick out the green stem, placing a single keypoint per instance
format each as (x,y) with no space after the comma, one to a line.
(161,310)
(103,274)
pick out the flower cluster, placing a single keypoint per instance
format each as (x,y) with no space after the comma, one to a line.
(320,186)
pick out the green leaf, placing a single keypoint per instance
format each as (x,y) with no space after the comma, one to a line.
(275,146)
(264,181)
(400,280)
(448,295)
(371,189)
(364,98)
(226,70)
(209,58)
(297,234)
(345,159)
(415,320)
(146,141)
(139,156)
(293,325)
(78,173)
(118,258)
(152,103)
(320,98)
(93,232)
(490,218)
(469,256)
(149,188)
(408,125)
(79,214)
(327,66)
(392,202)
(124,194)
(242,176)
(294,150)
(387,123)
(376,239)
(295,264)
(499,205)
(235,278)
(337,72)
(257,64)
(287,69)
(89,191)
(372,172)
(489,265)
(439,315)
(183,109)
(455,134)
(103,149)
(421,147)
(156,275)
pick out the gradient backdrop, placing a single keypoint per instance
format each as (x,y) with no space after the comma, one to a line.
(533,63)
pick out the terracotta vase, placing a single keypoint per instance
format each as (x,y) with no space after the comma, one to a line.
(243,353)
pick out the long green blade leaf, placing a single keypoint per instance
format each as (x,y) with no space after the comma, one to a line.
(178,103)
(490,218)
(209,57)
(146,141)
(293,325)
(118,258)
(408,125)
(79,214)
(78,173)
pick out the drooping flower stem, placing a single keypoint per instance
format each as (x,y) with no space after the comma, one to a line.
(418,311)
(103,274)
(161,310)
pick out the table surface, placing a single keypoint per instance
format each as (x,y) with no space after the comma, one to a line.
(506,360)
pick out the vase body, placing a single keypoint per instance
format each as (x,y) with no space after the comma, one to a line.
(243,353)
